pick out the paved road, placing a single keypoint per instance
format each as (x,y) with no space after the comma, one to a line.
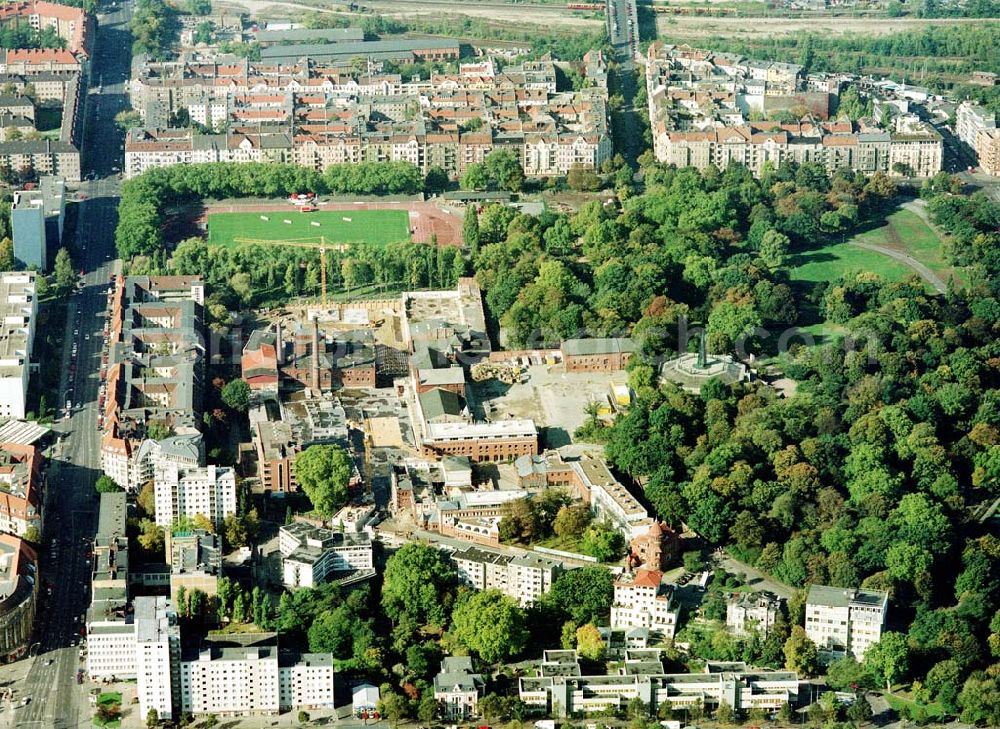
(70,501)
(907,260)
(623,32)
(405,533)
(757,579)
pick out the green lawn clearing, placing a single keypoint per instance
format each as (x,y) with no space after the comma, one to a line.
(829,263)
(906,232)
(934,710)
(341,226)
(903,231)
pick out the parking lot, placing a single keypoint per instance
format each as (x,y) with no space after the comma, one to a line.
(554,399)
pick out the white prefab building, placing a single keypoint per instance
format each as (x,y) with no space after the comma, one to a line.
(305,681)
(231,681)
(183,491)
(18,313)
(252,677)
(525,578)
(643,601)
(845,621)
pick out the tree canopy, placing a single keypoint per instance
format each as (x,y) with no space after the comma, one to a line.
(491,624)
(418,586)
(323,472)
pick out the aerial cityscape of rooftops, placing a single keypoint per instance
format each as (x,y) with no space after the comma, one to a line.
(518,364)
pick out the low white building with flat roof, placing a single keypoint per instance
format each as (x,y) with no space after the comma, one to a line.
(562,690)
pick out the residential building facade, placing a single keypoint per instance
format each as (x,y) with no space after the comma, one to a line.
(525,578)
(643,601)
(19,585)
(756,611)
(702,105)
(302,109)
(20,489)
(247,675)
(155,371)
(457,687)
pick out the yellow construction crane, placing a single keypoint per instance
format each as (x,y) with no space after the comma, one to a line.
(316,243)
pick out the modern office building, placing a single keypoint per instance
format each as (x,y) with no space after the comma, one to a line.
(36,220)
(845,621)
(311,555)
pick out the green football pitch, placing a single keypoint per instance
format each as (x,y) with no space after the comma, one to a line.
(340,226)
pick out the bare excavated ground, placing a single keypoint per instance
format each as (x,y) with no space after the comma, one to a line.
(503,15)
(682,27)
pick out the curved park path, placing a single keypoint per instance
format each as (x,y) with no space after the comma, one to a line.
(927,274)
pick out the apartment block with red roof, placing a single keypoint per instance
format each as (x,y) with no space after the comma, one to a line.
(20,488)
(71,24)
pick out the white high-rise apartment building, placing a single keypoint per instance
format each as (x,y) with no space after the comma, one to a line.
(18,313)
(157,650)
(845,621)
(644,602)
(183,491)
